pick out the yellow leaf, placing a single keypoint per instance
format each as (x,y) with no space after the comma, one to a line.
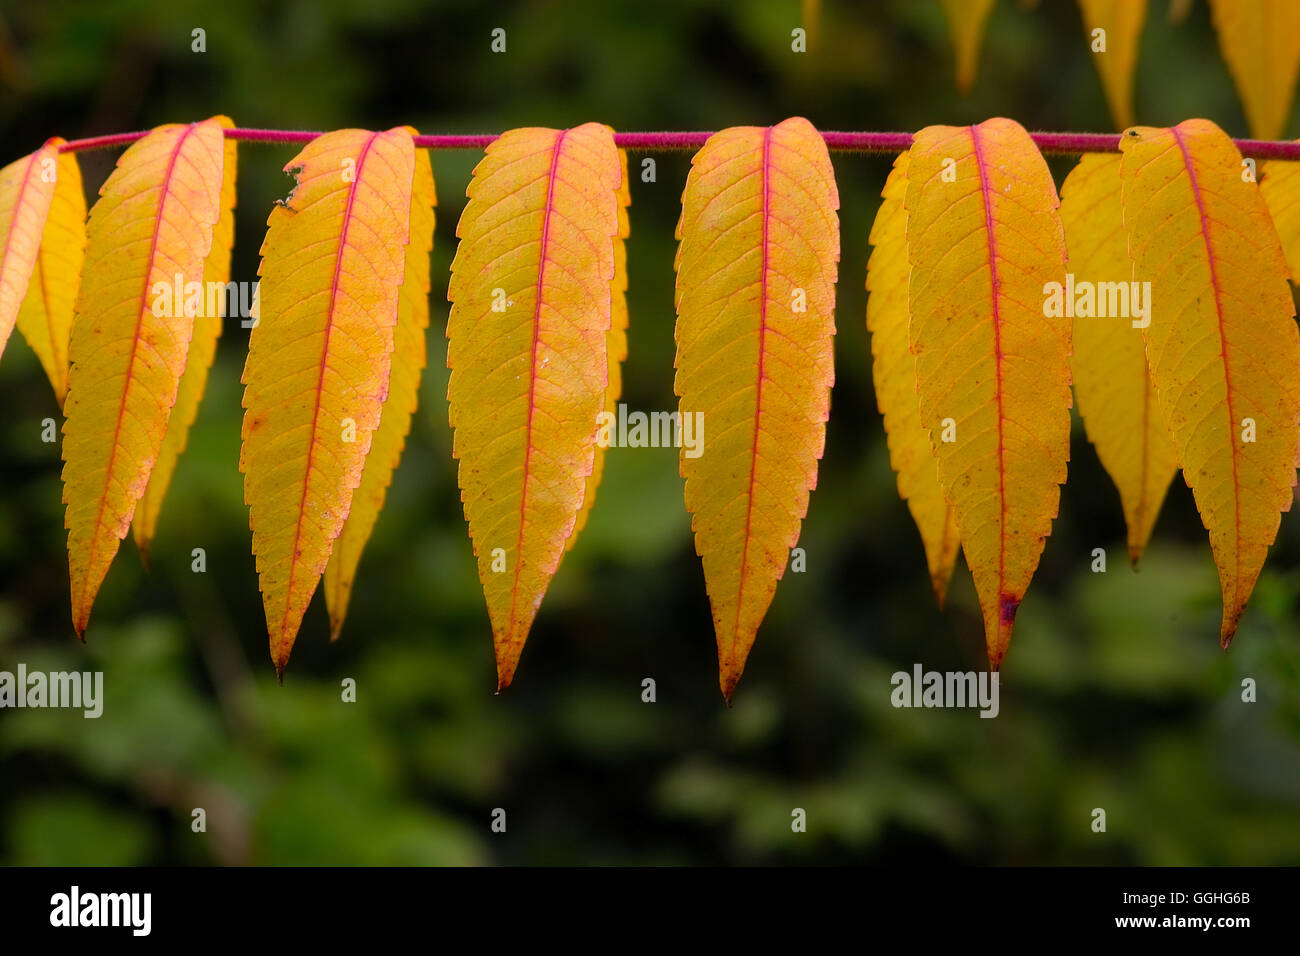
(756,272)
(1122,22)
(984,237)
(1260,40)
(967,20)
(616,346)
(1279,183)
(319,357)
(894,374)
(26,191)
(45,318)
(1222,345)
(1116,398)
(409,357)
(203,346)
(528,340)
(153,222)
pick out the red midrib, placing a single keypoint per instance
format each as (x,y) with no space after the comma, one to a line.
(532,372)
(320,381)
(997,365)
(758,392)
(1223,352)
(130,371)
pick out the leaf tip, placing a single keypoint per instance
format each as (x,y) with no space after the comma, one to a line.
(939,583)
(728,678)
(507,660)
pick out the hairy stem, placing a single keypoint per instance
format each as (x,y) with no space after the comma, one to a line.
(1065,143)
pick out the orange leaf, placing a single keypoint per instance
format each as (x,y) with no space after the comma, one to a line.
(1260,40)
(319,357)
(26,191)
(984,238)
(1116,398)
(409,357)
(203,347)
(894,374)
(528,348)
(967,21)
(45,318)
(1122,22)
(1222,344)
(756,273)
(153,222)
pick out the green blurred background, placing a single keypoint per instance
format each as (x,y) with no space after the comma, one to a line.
(1115,694)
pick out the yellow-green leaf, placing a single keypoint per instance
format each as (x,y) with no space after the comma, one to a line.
(409,358)
(333,263)
(984,238)
(756,272)
(528,348)
(1116,398)
(894,375)
(153,222)
(1115,51)
(967,20)
(1222,344)
(1260,41)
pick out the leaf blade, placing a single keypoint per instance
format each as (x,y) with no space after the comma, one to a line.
(45,318)
(153,220)
(1279,184)
(775,192)
(1185,183)
(1260,41)
(894,375)
(319,357)
(967,21)
(616,347)
(1122,20)
(25,197)
(982,245)
(1112,385)
(528,379)
(203,348)
(408,363)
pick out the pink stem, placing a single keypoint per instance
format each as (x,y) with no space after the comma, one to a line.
(1066,143)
